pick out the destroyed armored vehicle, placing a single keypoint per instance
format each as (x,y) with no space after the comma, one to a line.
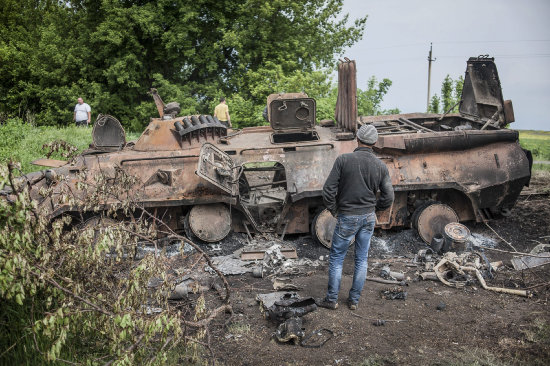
(206,180)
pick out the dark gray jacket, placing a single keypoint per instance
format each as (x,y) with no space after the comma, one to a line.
(352,184)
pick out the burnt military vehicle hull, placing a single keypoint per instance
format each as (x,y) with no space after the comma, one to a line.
(205,181)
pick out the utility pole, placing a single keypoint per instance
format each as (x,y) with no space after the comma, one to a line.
(429,76)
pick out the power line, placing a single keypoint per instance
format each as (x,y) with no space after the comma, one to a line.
(408,59)
(533,55)
(503,41)
(455,42)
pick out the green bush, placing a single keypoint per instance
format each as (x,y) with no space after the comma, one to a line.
(75,292)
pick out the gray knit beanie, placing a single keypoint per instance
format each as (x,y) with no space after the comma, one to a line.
(367,134)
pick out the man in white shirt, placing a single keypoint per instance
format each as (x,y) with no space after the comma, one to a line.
(82,113)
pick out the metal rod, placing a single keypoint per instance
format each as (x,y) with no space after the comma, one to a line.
(248,236)
(267,184)
(411,123)
(282,147)
(284,231)
(390,282)
(158,158)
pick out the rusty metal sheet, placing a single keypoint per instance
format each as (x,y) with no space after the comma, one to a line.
(250,255)
(482,92)
(509,111)
(53,163)
(524,262)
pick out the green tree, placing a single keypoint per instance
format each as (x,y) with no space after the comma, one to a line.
(434,104)
(451,94)
(112,52)
(369,100)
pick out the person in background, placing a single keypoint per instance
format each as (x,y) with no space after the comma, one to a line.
(82,113)
(222,113)
(350,195)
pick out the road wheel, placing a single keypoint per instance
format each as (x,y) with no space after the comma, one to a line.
(322,228)
(99,224)
(430,219)
(209,223)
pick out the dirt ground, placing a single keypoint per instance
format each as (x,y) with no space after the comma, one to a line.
(475,326)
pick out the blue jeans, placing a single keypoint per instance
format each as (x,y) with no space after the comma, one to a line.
(360,227)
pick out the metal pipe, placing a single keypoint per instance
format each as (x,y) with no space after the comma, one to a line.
(159,158)
(390,282)
(282,147)
(411,123)
(267,184)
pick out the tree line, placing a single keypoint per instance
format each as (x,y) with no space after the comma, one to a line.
(112,52)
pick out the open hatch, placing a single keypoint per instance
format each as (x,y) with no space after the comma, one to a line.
(108,134)
(292,118)
(218,168)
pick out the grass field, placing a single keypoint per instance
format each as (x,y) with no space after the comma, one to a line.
(536,141)
(22,142)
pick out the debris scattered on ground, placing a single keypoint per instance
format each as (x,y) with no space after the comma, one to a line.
(424,255)
(387,273)
(290,330)
(285,306)
(321,336)
(180,292)
(275,260)
(231,265)
(394,293)
(258,272)
(169,250)
(284,284)
(441,306)
(540,255)
(287,253)
(388,282)
(379,322)
(456,271)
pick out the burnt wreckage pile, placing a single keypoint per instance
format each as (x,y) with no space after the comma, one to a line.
(206,180)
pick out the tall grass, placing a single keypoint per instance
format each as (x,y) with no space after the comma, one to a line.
(23,142)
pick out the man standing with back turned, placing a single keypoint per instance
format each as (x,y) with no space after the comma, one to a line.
(350,195)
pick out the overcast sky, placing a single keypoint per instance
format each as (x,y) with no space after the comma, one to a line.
(397,41)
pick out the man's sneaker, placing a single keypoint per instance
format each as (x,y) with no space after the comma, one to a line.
(352,305)
(324,303)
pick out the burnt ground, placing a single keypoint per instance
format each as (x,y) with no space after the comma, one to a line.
(476,326)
